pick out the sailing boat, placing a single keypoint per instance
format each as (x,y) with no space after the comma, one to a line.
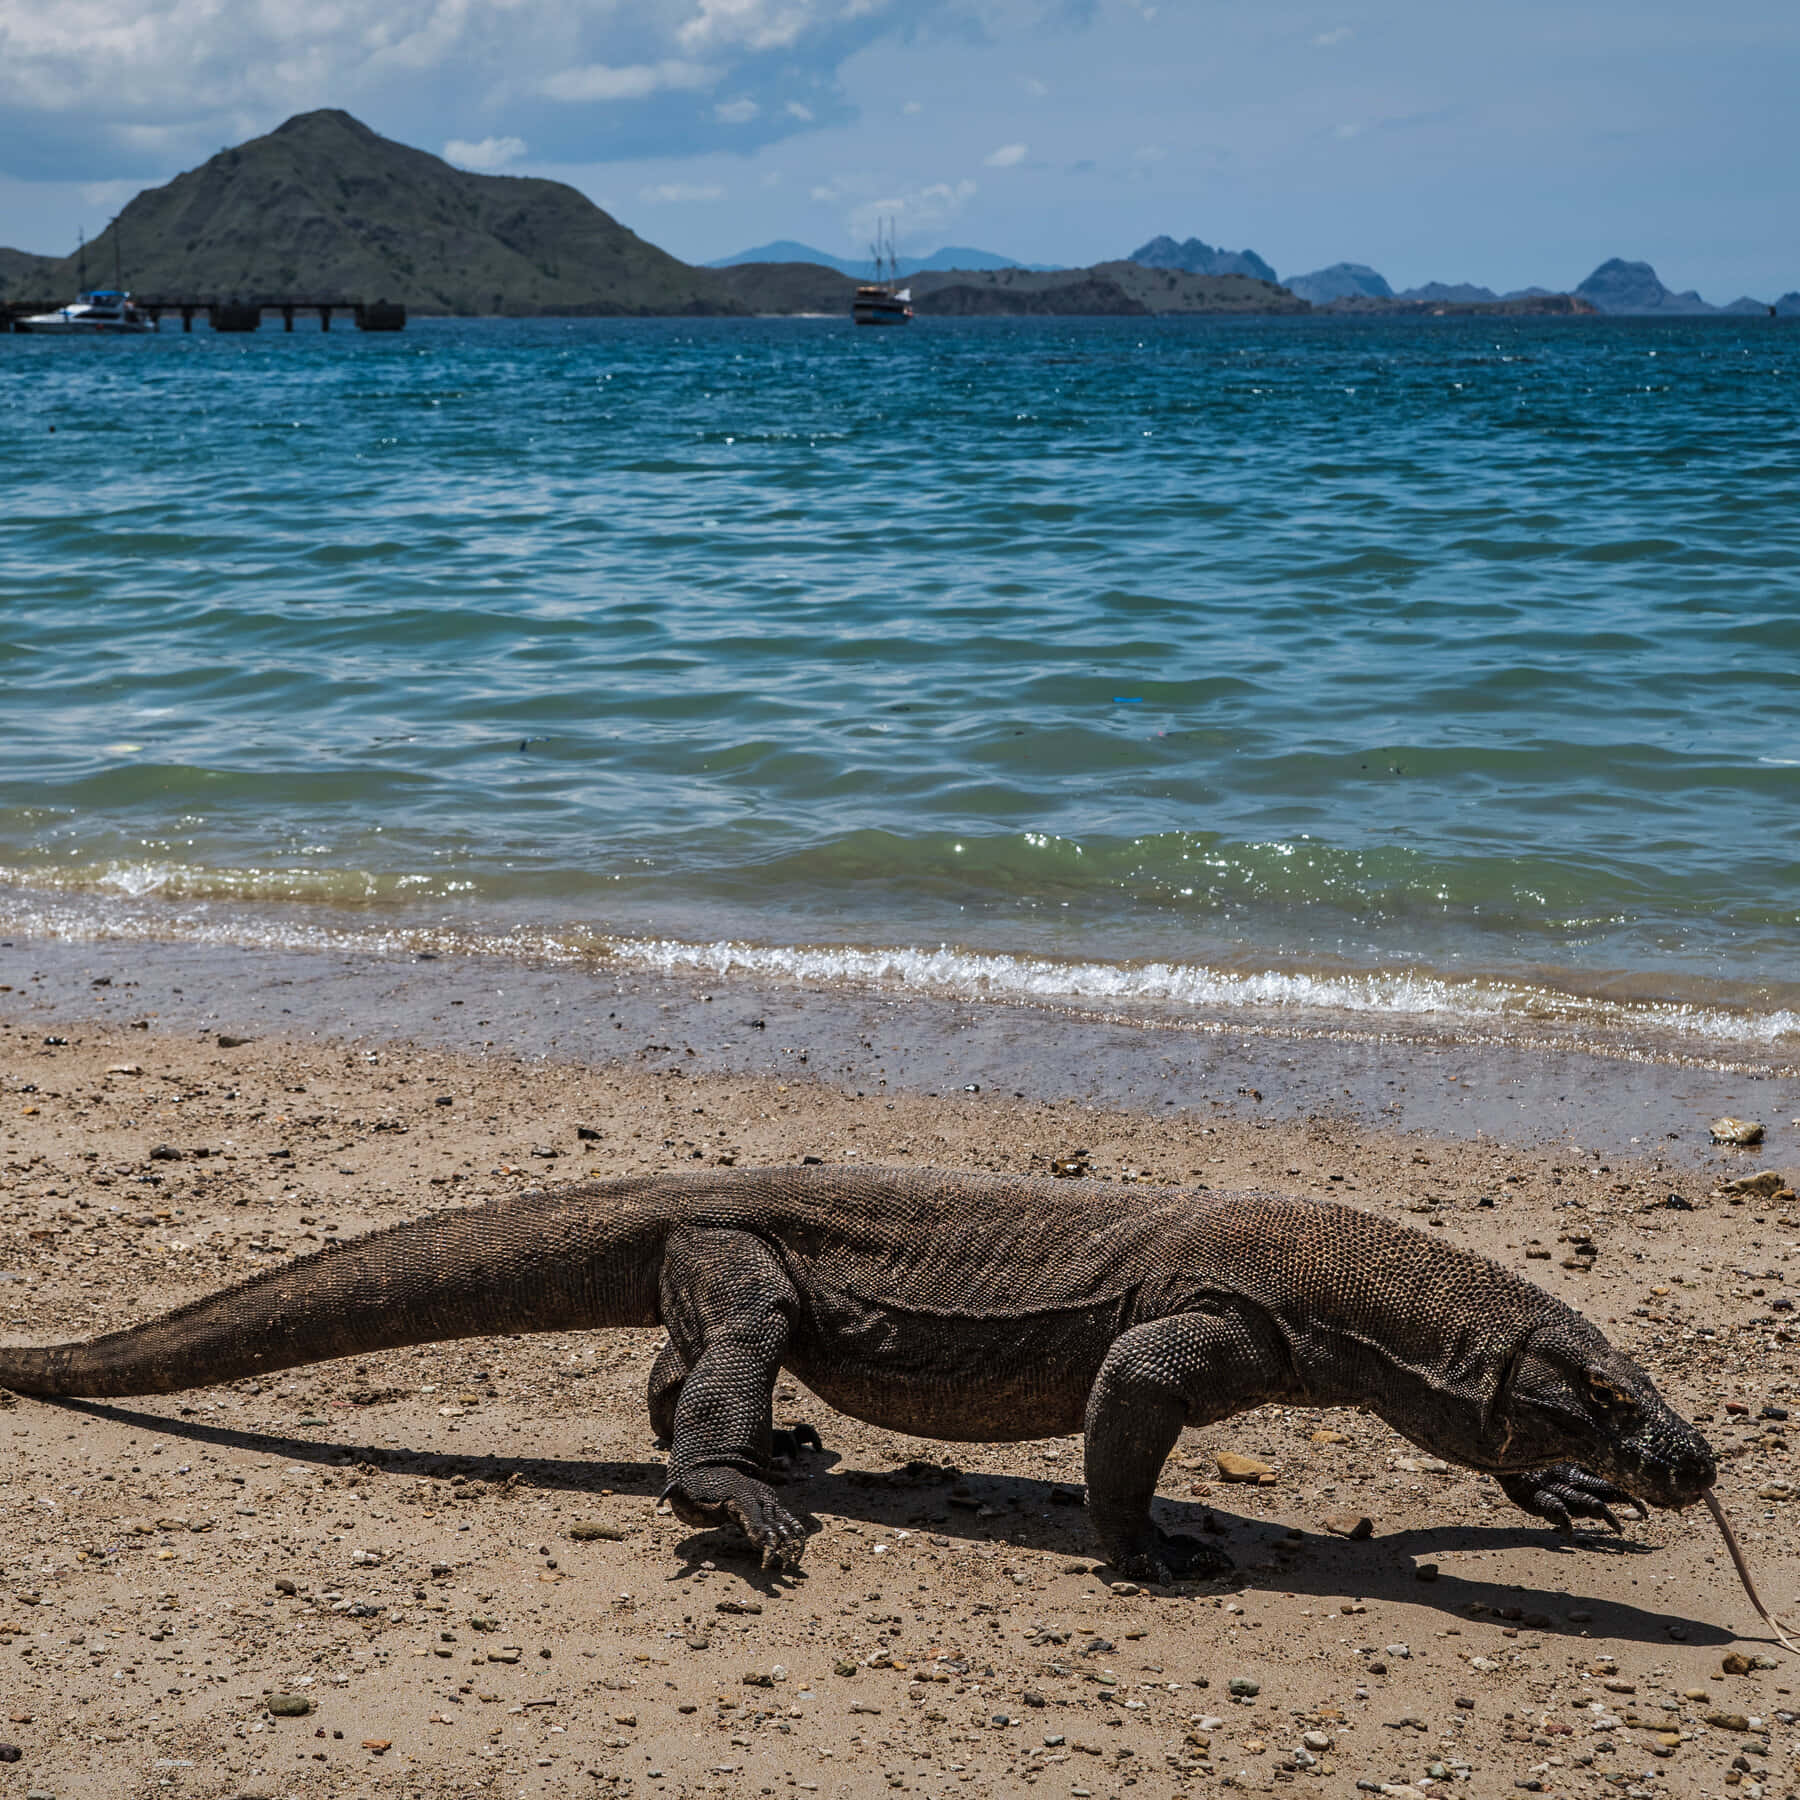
(883,301)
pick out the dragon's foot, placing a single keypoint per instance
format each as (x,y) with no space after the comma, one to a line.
(1565,1492)
(788,1444)
(1162,1556)
(705,1497)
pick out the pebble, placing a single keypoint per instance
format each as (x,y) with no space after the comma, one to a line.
(591,1531)
(289,1706)
(10,1753)
(1742,1132)
(1355,1526)
(1764,1181)
(1233,1467)
(1244,1687)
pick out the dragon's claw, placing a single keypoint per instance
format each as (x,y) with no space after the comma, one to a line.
(710,1497)
(1565,1492)
(1166,1556)
(788,1444)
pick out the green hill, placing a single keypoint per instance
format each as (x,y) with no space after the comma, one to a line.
(324,208)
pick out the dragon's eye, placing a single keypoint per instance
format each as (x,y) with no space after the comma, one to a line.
(1607,1394)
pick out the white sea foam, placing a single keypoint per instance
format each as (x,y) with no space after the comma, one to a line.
(1396,996)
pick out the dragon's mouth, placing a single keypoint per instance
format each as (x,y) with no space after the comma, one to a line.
(1664,1469)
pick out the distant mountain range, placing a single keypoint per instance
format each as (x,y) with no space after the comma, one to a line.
(323,208)
(1618,287)
(952,256)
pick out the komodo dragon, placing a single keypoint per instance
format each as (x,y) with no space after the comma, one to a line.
(977,1308)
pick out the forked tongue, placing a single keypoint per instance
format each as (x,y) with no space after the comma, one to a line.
(1743,1569)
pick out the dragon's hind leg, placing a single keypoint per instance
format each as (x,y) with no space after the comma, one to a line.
(729,1308)
(1189,1369)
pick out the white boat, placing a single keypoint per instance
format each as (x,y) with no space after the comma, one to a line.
(95,312)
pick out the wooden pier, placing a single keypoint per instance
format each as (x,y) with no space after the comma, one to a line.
(233,315)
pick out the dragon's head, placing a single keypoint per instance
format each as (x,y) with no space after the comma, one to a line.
(1571,1397)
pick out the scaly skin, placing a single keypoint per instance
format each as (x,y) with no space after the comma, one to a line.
(977,1308)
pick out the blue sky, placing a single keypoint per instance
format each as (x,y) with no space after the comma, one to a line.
(1505,145)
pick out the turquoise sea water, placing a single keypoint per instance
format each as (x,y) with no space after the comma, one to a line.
(1444,670)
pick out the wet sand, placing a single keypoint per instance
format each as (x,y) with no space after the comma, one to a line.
(507,1613)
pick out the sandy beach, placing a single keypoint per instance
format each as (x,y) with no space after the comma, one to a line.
(442,1572)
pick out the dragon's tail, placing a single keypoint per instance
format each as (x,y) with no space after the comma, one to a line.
(560,1262)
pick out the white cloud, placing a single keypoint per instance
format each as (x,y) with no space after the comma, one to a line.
(681,193)
(485,154)
(911,212)
(912,108)
(1008,156)
(1326,39)
(752,24)
(1035,88)
(795,110)
(631,81)
(736,112)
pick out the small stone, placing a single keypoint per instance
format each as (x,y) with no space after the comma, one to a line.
(843,1668)
(1425,1572)
(587,1134)
(756,1678)
(738,1606)
(1243,1687)
(1032,1697)
(1727,1130)
(1735,1662)
(1764,1181)
(1124,1589)
(125,1069)
(164,1153)
(1316,1740)
(289,1706)
(284,1586)
(226,1041)
(506,1653)
(591,1531)
(1355,1526)
(1324,1435)
(1727,1721)
(10,1753)
(1233,1467)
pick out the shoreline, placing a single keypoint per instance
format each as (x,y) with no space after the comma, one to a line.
(1614,1099)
